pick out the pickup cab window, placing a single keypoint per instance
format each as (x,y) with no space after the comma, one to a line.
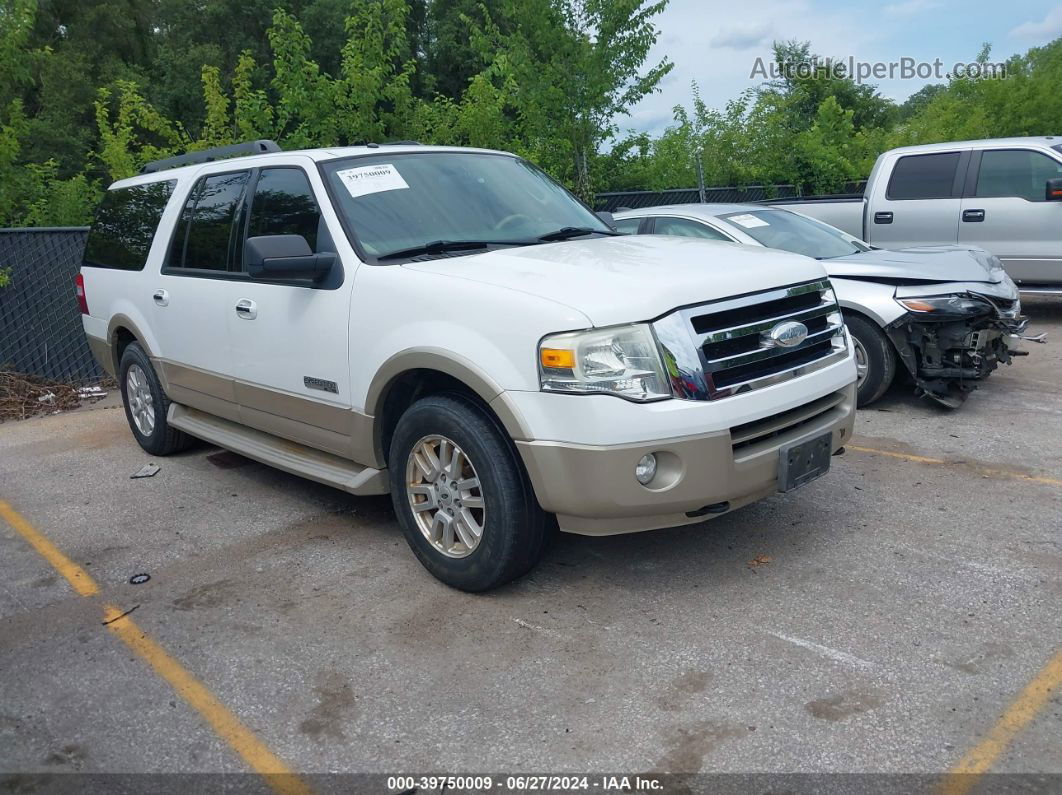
(1019,173)
(923,177)
(207,237)
(394,203)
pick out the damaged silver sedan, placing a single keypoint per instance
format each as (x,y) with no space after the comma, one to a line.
(947,316)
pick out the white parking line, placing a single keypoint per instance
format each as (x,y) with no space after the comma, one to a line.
(833,654)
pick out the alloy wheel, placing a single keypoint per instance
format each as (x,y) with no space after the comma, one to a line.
(445,496)
(861,362)
(139,399)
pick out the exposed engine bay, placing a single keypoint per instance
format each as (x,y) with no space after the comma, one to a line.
(947,353)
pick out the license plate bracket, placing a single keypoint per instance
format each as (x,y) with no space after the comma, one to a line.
(804,460)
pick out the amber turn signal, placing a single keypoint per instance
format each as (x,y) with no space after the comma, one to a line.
(918,306)
(557,357)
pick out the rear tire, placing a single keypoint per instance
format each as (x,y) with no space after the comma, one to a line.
(146,404)
(875,360)
(453,469)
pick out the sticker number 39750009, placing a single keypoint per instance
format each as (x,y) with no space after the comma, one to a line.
(363,180)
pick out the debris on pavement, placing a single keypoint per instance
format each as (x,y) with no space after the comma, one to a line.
(146,471)
(756,562)
(139,579)
(120,617)
(23,396)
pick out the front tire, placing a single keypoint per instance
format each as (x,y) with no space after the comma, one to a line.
(875,360)
(461,495)
(146,404)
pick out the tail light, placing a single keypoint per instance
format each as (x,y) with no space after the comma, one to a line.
(79,289)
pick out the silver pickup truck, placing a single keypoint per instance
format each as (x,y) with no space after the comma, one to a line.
(1003,194)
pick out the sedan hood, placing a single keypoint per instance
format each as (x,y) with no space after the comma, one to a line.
(921,264)
(632,278)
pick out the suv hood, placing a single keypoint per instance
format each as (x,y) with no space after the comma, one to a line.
(921,264)
(632,278)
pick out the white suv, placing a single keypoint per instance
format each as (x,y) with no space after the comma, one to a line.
(453,327)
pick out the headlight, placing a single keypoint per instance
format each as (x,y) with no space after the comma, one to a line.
(623,361)
(953,305)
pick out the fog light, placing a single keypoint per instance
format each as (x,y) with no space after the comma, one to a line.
(645,471)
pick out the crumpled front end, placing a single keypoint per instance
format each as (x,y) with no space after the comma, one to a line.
(949,343)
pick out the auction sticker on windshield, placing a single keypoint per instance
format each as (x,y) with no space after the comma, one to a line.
(363,180)
(748,221)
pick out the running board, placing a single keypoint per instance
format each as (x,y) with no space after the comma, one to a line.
(298,459)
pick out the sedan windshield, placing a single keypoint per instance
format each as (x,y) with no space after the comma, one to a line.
(791,232)
(402,205)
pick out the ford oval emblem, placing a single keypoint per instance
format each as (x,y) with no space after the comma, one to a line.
(788,334)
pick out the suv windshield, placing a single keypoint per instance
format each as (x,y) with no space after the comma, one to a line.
(398,203)
(791,232)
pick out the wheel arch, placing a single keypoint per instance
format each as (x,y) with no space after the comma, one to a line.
(121,331)
(415,373)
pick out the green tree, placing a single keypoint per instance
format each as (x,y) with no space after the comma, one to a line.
(579,64)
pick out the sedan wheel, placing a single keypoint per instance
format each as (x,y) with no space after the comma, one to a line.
(862,367)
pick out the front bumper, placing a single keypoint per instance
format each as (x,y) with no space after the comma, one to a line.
(593,491)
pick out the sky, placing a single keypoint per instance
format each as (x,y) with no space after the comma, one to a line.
(716,42)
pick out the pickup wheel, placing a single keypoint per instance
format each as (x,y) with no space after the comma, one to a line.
(875,360)
(146,404)
(461,495)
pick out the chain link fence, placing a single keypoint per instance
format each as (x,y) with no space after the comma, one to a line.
(40,324)
(636,199)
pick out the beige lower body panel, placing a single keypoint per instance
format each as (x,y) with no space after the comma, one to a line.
(593,491)
(334,429)
(101,351)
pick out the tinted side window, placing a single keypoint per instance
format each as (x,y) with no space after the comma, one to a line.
(923,176)
(125,225)
(208,236)
(284,205)
(628,226)
(1016,172)
(685,228)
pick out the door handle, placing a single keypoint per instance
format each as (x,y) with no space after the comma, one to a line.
(246,309)
(973,216)
(883,218)
(161,298)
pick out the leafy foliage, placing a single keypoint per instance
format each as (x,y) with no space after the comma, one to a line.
(95,90)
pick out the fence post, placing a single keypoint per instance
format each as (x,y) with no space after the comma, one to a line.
(700,176)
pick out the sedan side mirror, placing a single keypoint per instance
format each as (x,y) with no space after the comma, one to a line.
(606,216)
(285,257)
(1054,190)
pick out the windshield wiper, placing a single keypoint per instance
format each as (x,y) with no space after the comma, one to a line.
(568,232)
(436,247)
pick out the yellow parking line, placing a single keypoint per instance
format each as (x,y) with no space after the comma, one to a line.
(241,739)
(993,472)
(964,774)
(78,578)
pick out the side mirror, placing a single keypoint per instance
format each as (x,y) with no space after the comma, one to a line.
(606,216)
(285,257)
(1054,190)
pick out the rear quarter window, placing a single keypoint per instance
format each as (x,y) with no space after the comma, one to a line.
(125,225)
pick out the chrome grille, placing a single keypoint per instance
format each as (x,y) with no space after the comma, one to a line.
(740,344)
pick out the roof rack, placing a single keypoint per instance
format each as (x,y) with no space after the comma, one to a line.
(217,153)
